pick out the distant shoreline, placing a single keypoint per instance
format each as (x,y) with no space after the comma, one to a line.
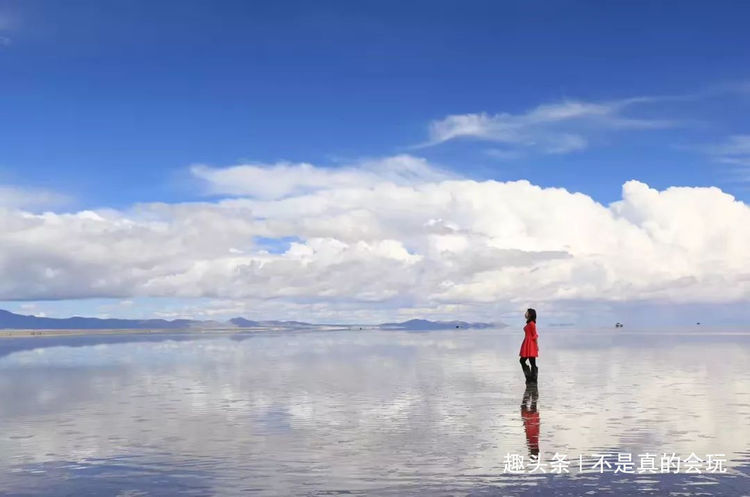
(11,333)
(26,333)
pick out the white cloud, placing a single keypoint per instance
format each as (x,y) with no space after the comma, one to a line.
(556,128)
(425,243)
(30,198)
(736,146)
(735,152)
(283,179)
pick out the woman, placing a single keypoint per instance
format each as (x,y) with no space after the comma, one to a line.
(529,347)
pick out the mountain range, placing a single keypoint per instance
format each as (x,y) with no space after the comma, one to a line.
(423,324)
(10,320)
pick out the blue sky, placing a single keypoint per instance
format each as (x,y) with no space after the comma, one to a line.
(108,104)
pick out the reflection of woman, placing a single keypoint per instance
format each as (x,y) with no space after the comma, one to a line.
(529,347)
(530,417)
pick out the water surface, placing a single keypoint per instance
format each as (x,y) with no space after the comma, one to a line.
(369,412)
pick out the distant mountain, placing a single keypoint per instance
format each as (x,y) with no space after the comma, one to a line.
(10,320)
(424,324)
(244,323)
(21,322)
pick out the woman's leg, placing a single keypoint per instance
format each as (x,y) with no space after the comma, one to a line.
(534,369)
(532,360)
(525,367)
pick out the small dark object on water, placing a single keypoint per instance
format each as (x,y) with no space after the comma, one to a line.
(618,325)
(698,323)
(457,326)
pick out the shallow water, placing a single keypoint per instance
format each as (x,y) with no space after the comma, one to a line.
(370,413)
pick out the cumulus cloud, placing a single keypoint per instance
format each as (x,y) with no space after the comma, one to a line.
(556,128)
(428,242)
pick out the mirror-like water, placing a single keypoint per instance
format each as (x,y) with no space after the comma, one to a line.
(371,413)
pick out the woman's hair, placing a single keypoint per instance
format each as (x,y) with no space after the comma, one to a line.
(532,315)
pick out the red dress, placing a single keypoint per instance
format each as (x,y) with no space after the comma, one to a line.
(529,347)
(531,427)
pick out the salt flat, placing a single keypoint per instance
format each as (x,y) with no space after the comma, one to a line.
(370,412)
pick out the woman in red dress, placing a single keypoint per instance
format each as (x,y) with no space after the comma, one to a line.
(529,347)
